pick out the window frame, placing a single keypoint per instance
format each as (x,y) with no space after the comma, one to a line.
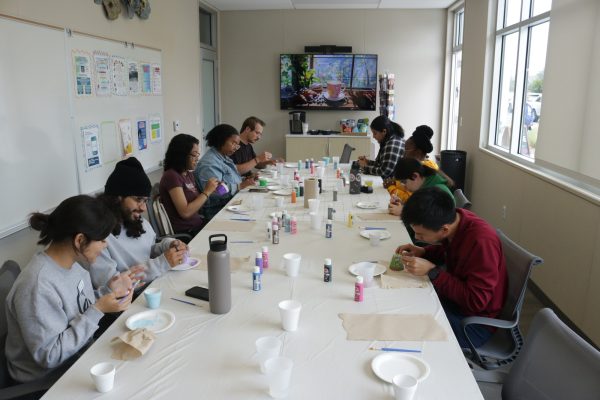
(455,32)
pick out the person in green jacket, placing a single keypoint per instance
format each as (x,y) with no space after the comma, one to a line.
(414,175)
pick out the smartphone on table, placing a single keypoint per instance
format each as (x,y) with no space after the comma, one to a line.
(198,292)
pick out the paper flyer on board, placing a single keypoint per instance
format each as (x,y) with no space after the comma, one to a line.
(134,77)
(83,74)
(125,129)
(155,128)
(119,76)
(142,135)
(102,70)
(146,78)
(156,79)
(91,146)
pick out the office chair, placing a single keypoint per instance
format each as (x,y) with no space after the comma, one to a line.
(461,200)
(346,153)
(506,342)
(8,389)
(159,220)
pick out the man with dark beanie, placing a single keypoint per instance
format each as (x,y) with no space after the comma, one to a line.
(131,245)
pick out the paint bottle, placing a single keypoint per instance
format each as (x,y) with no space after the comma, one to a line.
(335,192)
(296,175)
(265,257)
(350,220)
(307,164)
(330,212)
(301,188)
(312,167)
(256,284)
(258,261)
(327,271)
(275,234)
(359,289)
(294,225)
(329,229)
(274,222)
(269,235)
(286,222)
(338,173)
(299,165)
(294,196)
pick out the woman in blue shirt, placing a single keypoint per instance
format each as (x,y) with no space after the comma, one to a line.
(223,140)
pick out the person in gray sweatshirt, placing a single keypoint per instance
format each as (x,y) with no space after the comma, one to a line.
(132,243)
(51,310)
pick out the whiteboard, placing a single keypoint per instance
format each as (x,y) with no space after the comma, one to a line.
(42,158)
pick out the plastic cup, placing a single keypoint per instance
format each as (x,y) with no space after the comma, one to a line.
(367,270)
(291,263)
(278,201)
(405,387)
(336,162)
(290,314)
(315,221)
(375,238)
(103,375)
(304,128)
(267,347)
(152,296)
(279,374)
(280,168)
(313,205)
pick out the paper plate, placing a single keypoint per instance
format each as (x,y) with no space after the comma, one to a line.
(238,209)
(388,365)
(283,192)
(154,320)
(366,233)
(367,205)
(274,187)
(356,268)
(291,165)
(191,263)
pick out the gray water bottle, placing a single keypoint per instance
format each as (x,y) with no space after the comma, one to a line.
(219,275)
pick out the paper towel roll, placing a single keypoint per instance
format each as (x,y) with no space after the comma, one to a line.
(311,190)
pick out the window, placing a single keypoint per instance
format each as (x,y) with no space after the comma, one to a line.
(456,64)
(522,28)
(207,28)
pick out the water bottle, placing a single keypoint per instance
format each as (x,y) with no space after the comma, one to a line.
(355,178)
(219,275)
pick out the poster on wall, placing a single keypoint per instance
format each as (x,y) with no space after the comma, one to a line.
(83,73)
(91,146)
(156,79)
(119,76)
(142,135)
(111,143)
(155,128)
(102,70)
(134,77)
(146,79)
(125,129)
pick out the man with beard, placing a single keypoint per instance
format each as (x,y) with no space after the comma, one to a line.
(131,245)
(244,157)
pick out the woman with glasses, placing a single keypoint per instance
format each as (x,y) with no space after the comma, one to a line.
(223,140)
(178,192)
(52,311)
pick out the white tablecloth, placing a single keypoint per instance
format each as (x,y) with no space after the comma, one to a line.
(206,356)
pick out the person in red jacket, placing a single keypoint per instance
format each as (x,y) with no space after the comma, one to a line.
(464,261)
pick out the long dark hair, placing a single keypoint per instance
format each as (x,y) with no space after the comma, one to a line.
(391,128)
(219,134)
(133,228)
(179,148)
(78,214)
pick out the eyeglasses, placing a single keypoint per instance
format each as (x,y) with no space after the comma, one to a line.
(194,155)
(140,200)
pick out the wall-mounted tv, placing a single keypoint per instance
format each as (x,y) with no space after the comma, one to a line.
(328,81)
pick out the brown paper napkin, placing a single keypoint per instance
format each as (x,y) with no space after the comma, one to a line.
(393,327)
(235,263)
(235,202)
(132,344)
(401,279)
(230,226)
(378,216)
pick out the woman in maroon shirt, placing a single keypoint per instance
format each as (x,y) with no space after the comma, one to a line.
(178,191)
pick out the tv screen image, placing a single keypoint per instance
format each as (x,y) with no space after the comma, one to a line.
(328,81)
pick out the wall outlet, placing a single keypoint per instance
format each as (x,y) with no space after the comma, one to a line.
(503,212)
(176,126)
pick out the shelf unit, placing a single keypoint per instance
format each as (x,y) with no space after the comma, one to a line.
(386,95)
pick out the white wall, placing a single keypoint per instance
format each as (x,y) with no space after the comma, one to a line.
(410,43)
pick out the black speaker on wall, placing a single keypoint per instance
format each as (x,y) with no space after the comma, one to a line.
(454,164)
(328,49)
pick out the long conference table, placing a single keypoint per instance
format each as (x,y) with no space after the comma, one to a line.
(208,356)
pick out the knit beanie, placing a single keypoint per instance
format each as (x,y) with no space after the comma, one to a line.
(128,179)
(422,138)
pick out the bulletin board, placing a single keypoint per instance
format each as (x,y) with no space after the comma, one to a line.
(71,106)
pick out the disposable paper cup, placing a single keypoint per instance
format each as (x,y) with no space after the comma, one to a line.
(320,172)
(290,314)
(152,296)
(315,221)
(291,263)
(103,375)
(304,128)
(267,347)
(405,387)
(375,238)
(279,374)
(279,201)
(366,271)
(313,205)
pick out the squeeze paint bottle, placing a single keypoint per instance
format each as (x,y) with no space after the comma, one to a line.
(256,283)
(359,289)
(327,271)
(258,261)
(265,257)
(294,225)
(275,234)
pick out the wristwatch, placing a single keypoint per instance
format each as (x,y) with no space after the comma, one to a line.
(434,273)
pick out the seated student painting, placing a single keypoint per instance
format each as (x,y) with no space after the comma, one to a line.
(413,175)
(474,281)
(131,245)
(51,310)
(244,157)
(223,140)
(391,148)
(179,194)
